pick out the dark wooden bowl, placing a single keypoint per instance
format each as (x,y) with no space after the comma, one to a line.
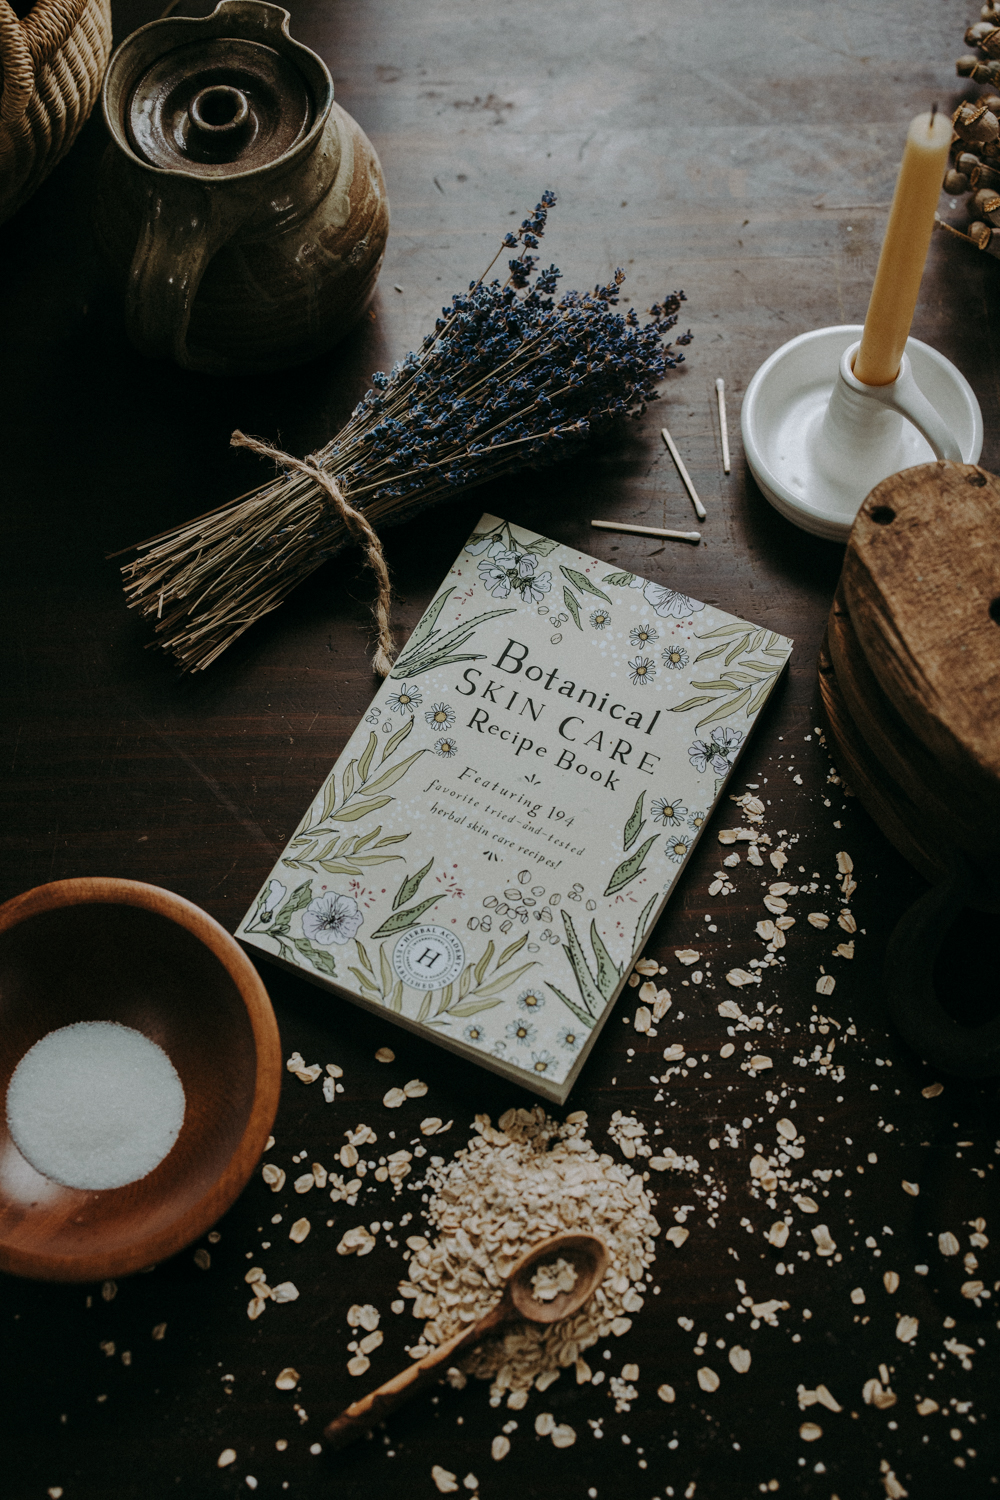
(118,950)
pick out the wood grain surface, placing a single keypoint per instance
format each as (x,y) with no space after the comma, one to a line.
(745,156)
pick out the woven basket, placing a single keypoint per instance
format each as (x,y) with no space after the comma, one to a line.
(51,67)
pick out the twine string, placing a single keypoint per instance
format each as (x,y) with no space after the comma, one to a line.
(359,526)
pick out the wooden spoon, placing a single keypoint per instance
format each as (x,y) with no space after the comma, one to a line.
(588,1256)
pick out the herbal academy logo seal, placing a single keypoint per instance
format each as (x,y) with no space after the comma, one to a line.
(427,958)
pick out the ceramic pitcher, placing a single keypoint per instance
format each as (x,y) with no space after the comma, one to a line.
(245,211)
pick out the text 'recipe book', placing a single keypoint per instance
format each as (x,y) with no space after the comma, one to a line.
(484,861)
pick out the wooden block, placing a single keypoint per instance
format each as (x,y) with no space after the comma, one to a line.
(921,579)
(882,800)
(941,806)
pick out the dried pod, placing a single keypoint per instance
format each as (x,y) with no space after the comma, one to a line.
(965,162)
(990,150)
(985,176)
(981,29)
(956,183)
(974,122)
(992,102)
(967,65)
(990,43)
(988,72)
(984,203)
(979,234)
(990,13)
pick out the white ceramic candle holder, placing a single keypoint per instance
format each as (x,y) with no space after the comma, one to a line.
(818,441)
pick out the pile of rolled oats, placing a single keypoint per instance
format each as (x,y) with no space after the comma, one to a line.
(513,1186)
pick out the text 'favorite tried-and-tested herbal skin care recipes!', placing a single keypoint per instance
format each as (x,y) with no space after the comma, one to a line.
(504,827)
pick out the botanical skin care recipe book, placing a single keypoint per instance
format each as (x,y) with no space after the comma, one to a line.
(487,856)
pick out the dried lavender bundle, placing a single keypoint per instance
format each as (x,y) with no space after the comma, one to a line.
(509,377)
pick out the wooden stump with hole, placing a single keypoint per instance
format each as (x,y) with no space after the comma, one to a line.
(910,684)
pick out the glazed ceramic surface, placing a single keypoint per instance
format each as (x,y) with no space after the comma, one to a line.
(244,209)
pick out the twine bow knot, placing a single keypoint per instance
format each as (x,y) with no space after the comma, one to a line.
(358,524)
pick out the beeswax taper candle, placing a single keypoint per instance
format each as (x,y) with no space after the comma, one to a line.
(904,250)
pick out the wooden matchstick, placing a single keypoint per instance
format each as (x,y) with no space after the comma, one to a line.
(699,509)
(674,536)
(720,387)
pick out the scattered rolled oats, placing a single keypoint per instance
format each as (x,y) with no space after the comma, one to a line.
(563,1436)
(906,1329)
(334,1071)
(643,1018)
(825,984)
(739,1359)
(202,1259)
(287,1379)
(304,1183)
(727,1050)
(926,1406)
(972,1289)
(777,1235)
(687,956)
(739,977)
(446,1482)
(285,1291)
(414,1089)
(358,1364)
(824,1244)
(858,1296)
(159,1330)
(844,950)
(666,1393)
(890,1281)
(319,1174)
(810,1431)
(544,1423)
(932,1090)
(370,1341)
(647,966)
(431,1125)
(394,1098)
(818,919)
(299,1230)
(358,1241)
(707,1379)
(273,1176)
(913,1188)
(677,1234)
(500,1446)
(806,1204)
(948,1244)
(385,1055)
(226,1457)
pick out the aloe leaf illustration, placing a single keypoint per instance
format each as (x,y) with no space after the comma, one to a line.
(438,653)
(640,926)
(619,581)
(583,582)
(589,992)
(608,972)
(630,868)
(573,607)
(425,626)
(635,823)
(581,1015)
(400,920)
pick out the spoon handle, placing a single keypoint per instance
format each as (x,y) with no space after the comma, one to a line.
(365,1414)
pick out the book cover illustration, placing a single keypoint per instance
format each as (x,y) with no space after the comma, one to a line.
(504,827)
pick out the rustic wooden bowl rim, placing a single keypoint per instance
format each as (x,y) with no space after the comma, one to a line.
(146,1251)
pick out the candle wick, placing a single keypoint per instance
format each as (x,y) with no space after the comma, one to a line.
(934,110)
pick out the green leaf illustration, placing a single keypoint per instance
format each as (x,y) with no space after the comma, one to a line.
(317,957)
(391,838)
(395,1001)
(581,1015)
(573,607)
(390,777)
(630,868)
(465,983)
(359,810)
(425,1006)
(619,581)
(725,709)
(440,653)
(394,741)
(388,978)
(682,708)
(411,885)
(365,982)
(400,920)
(541,546)
(583,582)
(515,947)
(364,764)
(472,1007)
(363,955)
(484,963)
(502,982)
(300,897)
(640,926)
(361,839)
(636,823)
(349,779)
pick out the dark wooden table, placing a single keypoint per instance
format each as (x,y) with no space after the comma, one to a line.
(745,154)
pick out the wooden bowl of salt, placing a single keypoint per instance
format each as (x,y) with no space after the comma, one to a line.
(140,1068)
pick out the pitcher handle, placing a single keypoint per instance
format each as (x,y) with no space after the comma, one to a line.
(183,227)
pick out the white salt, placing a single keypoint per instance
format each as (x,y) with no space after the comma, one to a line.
(95,1105)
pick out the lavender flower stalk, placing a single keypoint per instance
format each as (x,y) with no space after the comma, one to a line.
(509,377)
